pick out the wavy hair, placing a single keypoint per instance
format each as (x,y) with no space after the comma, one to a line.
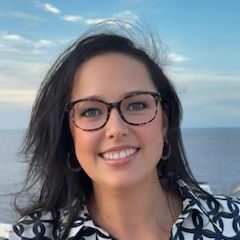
(48,140)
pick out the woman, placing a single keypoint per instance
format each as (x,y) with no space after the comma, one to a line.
(105,144)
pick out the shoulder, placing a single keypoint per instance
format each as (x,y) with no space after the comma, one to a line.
(209,215)
(221,205)
(223,212)
(211,204)
(38,225)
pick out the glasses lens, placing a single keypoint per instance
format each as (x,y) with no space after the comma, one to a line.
(89,114)
(138,109)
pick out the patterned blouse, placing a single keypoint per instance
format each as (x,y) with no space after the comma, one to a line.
(201,219)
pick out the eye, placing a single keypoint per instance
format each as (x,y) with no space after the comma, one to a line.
(136,106)
(90,112)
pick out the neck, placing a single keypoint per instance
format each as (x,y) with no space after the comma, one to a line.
(129,209)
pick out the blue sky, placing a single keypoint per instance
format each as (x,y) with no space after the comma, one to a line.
(202,39)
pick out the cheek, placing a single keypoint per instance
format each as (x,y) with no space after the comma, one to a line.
(85,144)
(154,134)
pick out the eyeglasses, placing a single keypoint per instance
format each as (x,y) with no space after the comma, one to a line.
(137,108)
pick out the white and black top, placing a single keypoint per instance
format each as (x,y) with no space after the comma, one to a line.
(201,219)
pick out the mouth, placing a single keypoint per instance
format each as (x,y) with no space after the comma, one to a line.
(118,155)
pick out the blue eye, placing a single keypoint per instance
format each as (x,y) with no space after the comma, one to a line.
(90,112)
(137,106)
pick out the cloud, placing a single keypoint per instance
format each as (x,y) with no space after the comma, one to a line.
(72,18)
(22,52)
(94,20)
(12,37)
(230,111)
(7,49)
(19,45)
(204,98)
(114,22)
(50,8)
(88,21)
(21,74)
(186,75)
(23,97)
(173,57)
(15,44)
(44,43)
(127,16)
(207,92)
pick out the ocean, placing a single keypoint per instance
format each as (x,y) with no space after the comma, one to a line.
(213,155)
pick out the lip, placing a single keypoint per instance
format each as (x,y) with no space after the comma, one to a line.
(120,161)
(118,148)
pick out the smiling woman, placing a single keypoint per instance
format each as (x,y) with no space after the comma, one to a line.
(105,152)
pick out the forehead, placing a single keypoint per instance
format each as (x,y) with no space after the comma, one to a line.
(110,76)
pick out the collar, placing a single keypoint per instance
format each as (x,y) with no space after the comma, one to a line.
(191,202)
(84,224)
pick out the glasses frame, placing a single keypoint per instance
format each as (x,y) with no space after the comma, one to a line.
(111,105)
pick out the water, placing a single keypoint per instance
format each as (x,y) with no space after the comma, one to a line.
(213,155)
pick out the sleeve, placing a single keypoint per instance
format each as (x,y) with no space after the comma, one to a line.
(39,225)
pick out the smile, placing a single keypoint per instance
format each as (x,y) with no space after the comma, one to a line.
(120,154)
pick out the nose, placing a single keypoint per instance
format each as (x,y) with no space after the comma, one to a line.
(116,127)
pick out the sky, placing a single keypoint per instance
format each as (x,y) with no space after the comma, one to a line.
(201,41)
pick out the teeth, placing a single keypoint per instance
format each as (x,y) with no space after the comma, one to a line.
(120,154)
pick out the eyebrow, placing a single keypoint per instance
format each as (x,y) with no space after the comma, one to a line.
(121,96)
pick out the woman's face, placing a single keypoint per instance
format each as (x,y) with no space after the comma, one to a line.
(110,76)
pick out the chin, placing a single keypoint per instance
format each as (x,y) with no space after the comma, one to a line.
(124,182)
